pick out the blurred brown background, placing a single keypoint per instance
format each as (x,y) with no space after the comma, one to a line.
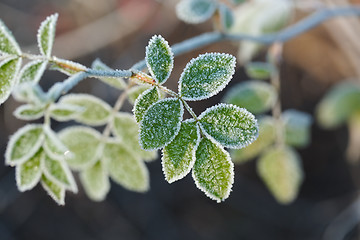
(117,32)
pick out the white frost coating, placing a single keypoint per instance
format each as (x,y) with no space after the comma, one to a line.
(67,63)
(15,137)
(231,182)
(39,112)
(51,136)
(8,35)
(170,53)
(60,201)
(49,22)
(193,153)
(30,185)
(138,105)
(216,89)
(8,87)
(241,144)
(22,77)
(73,109)
(190,11)
(177,126)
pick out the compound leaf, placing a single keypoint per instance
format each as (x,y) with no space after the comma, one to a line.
(159,59)
(178,157)
(118,83)
(161,123)
(297,127)
(95,111)
(280,169)
(29,112)
(127,130)
(231,126)
(256,96)
(213,170)
(144,101)
(83,143)
(64,112)
(46,35)
(32,72)
(9,69)
(95,181)
(24,144)
(206,75)
(28,174)
(8,44)
(195,11)
(55,191)
(125,169)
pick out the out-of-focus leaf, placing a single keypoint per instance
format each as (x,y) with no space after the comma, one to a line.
(259,70)
(55,191)
(297,127)
(118,83)
(195,11)
(226,16)
(65,112)
(29,112)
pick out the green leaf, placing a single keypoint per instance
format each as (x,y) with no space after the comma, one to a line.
(338,105)
(226,16)
(67,67)
(29,112)
(125,169)
(231,126)
(83,142)
(144,101)
(256,96)
(9,68)
(24,144)
(267,135)
(32,71)
(59,173)
(259,70)
(206,75)
(28,174)
(118,83)
(46,35)
(195,11)
(213,171)
(127,130)
(29,93)
(280,169)
(95,181)
(53,146)
(159,59)
(236,2)
(161,123)
(297,128)
(135,92)
(64,112)
(178,157)
(8,44)
(55,191)
(96,112)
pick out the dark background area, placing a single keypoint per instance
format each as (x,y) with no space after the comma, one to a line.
(117,32)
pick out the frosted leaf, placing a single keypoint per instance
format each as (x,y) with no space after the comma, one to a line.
(178,157)
(161,123)
(195,11)
(125,169)
(96,112)
(236,2)
(127,130)
(231,126)
(58,172)
(135,92)
(29,93)
(8,44)
(64,112)
(9,68)
(24,144)
(206,75)
(213,170)
(55,191)
(297,127)
(95,181)
(226,16)
(118,83)
(67,67)
(53,146)
(144,101)
(28,174)
(259,70)
(83,143)
(267,135)
(32,72)
(256,96)
(338,105)
(46,35)
(159,59)
(280,169)
(29,112)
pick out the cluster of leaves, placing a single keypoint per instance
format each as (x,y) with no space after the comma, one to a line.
(279,164)
(43,155)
